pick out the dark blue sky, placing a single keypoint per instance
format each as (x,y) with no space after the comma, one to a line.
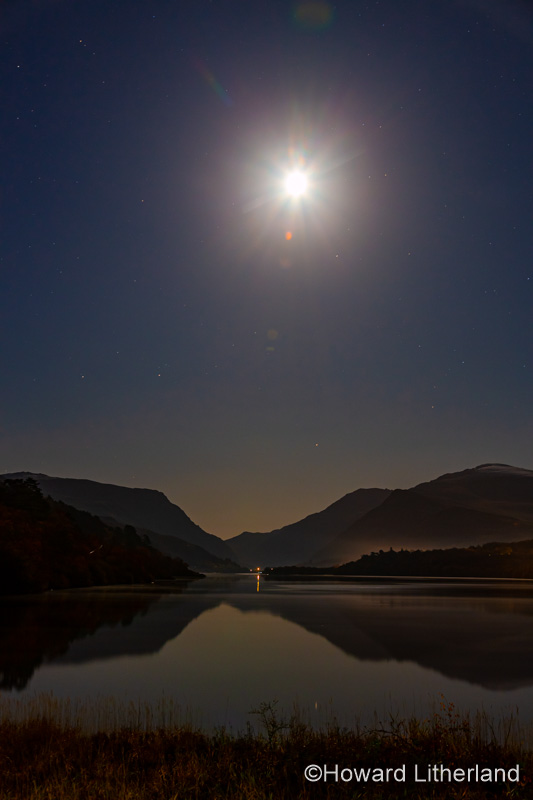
(160,330)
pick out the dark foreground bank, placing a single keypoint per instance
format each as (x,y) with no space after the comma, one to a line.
(444,757)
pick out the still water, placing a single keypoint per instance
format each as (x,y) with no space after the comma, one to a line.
(219,647)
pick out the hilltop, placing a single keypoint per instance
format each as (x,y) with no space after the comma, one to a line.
(488,503)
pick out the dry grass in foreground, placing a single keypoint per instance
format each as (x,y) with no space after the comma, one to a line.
(43,759)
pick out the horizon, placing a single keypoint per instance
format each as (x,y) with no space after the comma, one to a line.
(256,260)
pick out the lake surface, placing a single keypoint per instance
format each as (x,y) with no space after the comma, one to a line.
(215,649)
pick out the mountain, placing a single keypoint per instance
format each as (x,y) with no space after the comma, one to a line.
(296,543)
(45,544)
(492,502)
(142,508)
(197,557)
(495,488)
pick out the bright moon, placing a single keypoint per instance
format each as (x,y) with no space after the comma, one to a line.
(296,183)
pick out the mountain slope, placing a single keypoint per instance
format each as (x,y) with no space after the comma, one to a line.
(142,508)
(475,506)
(197,557)
(495,488)
(45,544)
(297,542)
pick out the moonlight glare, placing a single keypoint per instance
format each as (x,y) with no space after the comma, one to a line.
(296,183)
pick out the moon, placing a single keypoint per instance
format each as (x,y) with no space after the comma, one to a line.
(296,183)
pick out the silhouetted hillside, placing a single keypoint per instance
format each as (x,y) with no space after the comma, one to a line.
(494,488)
(46,544)
(197,557)
(296,543)
(142,508)
(486,504)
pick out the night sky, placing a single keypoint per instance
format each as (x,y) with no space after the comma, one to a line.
(171,318)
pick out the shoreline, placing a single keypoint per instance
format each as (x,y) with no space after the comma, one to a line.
(445,756)
(392,578)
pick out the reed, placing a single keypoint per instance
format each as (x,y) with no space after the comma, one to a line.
(52,748)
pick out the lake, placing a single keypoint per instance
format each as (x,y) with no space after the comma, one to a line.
(212,650)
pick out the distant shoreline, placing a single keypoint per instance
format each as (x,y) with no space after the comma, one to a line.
(290,576)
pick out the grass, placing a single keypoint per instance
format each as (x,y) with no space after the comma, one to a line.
(46,753)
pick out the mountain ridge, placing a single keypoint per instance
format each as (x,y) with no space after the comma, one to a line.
(302,538)
(491,502)
(46,544)
(148,509)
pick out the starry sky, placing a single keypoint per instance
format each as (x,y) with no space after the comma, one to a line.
(172,319)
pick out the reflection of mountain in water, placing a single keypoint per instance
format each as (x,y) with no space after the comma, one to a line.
(36,630)
(481,640)
(473,636)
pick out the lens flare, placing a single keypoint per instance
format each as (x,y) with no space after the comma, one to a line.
(314,16)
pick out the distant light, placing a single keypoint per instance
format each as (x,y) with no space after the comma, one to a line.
(296,183)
